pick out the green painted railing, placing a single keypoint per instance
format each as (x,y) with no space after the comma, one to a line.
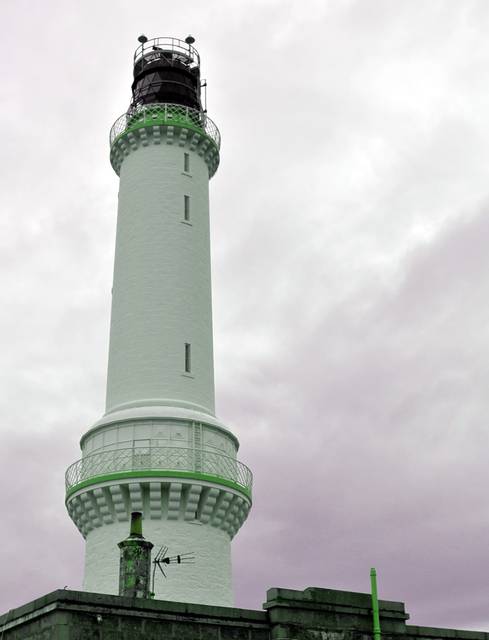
(162,461)
(166,114)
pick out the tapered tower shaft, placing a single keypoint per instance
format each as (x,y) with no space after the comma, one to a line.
(161,327)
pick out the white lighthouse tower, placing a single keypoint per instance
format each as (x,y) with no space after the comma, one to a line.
(159,449)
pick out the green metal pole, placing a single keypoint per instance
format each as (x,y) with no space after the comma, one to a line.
(375,604)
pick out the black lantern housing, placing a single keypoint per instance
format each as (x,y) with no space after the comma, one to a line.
(166,70)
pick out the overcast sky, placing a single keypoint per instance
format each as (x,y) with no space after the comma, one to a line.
(350,226)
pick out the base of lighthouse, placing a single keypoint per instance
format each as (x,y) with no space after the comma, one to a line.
(206,581)
(181,514)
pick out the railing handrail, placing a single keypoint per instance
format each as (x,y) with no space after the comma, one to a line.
(92,465)
(167,43)
(147,113)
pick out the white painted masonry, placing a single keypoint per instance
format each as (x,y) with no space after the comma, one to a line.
(162,284)
(185,516)
(207,581)
(159,433)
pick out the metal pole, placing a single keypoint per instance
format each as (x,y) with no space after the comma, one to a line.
(375,604)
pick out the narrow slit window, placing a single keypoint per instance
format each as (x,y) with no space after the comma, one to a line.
(188,358)
(186,208)
(186,162)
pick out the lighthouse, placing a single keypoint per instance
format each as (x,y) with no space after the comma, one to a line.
(159,448)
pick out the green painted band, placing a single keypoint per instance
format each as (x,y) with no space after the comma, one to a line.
(122,475)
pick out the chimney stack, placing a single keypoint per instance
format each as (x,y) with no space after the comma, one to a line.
(135,562)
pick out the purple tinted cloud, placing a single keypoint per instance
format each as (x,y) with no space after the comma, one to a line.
(349,222)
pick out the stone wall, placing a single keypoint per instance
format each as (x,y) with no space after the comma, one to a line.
(312,614)
(76,615)
(328,614)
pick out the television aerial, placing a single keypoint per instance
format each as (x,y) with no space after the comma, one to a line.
(161,558)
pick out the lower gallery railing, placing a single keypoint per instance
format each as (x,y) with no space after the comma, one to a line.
(146,459)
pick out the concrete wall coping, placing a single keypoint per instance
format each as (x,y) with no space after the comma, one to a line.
(440,632)
(313,597)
